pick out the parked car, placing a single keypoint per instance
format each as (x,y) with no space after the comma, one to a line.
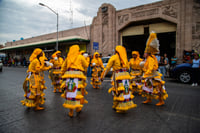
(182,72)
(1,65)
(105,62)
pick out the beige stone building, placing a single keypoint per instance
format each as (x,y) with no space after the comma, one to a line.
(176,22)
(24,48)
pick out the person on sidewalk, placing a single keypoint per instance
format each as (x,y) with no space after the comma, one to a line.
(173,62)
(162,68)
(167,66)
(89,66)
(195,69)
(74,80)
(121,88)
(153,87)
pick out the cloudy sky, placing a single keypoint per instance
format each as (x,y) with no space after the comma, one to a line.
(26,18)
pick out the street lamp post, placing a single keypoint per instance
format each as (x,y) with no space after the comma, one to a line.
(57,22)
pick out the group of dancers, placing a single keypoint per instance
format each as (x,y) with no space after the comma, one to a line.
(69,77)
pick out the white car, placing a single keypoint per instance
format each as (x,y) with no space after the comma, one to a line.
(105,62)
(1,65)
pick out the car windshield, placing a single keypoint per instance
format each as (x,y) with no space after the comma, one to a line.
(105,60)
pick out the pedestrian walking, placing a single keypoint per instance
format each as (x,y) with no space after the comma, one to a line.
(136,72)
(74,80)
(153,87)
(55,72)
(97,66)
(195,69)
(121,88)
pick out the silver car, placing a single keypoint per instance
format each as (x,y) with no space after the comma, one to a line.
(1,65)
(105,62)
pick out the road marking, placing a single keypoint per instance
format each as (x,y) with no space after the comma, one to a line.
(107,80)
(182,116)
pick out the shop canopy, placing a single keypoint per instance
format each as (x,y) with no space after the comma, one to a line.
(46,42)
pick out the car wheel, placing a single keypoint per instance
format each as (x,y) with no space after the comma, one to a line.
(185,77)
(1,70)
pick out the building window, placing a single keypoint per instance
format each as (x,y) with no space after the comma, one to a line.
(104,9)
(146,30)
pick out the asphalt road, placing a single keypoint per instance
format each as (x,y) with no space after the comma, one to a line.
(180,114)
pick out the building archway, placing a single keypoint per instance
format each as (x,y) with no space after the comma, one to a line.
(135,35)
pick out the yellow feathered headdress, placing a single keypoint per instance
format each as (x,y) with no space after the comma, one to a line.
(35,53)
(96,53)
(136,53)
(55,54)
(123,56)
(152,45)
(72,55)
(43,58)
(82,51)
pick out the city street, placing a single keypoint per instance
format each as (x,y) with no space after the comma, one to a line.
(180,114)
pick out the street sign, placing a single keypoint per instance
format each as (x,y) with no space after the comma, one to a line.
(95,45)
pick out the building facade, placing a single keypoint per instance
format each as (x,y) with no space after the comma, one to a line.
(176,22)
(24,48)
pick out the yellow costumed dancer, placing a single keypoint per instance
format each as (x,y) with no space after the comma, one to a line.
(55,73)
(136,72)
(97,66)
(85,54)
(45,66)
(82,52)
(74,80)
(153,87)
(32,84)
(121,88)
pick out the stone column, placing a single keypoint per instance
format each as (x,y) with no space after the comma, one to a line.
(103,29)
(196,26)
(184,27)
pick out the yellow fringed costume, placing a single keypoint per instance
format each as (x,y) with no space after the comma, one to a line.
(43,68)
(33,84)
(55,72)
(136,72)
(82,52)
(121,88)
(153,87)
(74,80)
(97,66)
